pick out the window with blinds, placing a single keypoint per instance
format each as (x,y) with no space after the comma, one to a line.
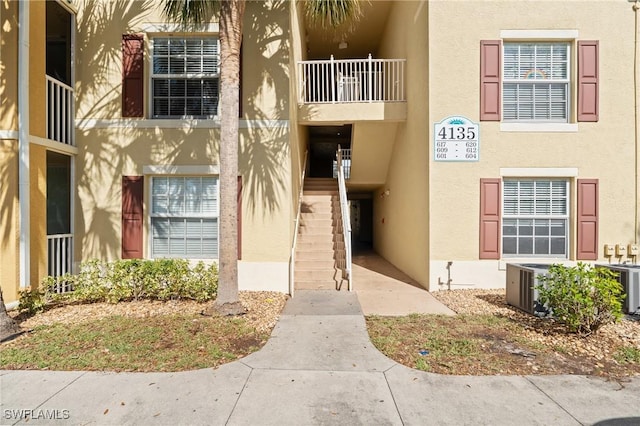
(536,82)
(184,217)
(185,77)
(535,218)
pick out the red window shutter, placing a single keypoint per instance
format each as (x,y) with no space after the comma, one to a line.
(240,88)
(490,218)
(587,219)
(587,81)
(239,217)
(132,199)
(490,69)
(132,75)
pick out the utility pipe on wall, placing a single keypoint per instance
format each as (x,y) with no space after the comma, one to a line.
(636,78)
(23,141)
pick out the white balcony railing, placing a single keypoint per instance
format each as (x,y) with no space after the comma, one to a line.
(352,80)
(344,261)
(346,164)
(60,258)
(60,112)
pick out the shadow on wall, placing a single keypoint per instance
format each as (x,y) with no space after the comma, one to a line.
(106,154)
(8,155)
(264,154)
(101,160)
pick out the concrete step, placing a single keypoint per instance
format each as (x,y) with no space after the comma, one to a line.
(328,274)
(326,224)
(321,183)
(318,285)
(326,215)
(313,197)
(319,208)
(312,243)
(315,235)
(313,254)
(319,179)
(315,264)
(320,192)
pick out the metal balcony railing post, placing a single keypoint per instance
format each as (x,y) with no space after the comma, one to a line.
(370,79)
(333,81)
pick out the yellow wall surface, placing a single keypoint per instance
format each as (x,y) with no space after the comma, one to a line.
(9,220)
(265,65)
(37,67)
(603,150)
(38,213)
(299,133)
(9,66)
(110,147)
(372,144)
(401,231)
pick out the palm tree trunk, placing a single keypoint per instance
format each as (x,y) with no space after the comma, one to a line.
(8,326)
(231,15)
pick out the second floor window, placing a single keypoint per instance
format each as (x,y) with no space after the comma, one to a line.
(536,82)
(185,77)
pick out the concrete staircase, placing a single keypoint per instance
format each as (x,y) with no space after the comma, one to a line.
(320,241)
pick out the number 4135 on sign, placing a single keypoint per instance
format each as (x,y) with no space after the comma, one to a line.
(456,139)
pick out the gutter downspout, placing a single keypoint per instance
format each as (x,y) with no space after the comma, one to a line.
(23,143)
(636,57)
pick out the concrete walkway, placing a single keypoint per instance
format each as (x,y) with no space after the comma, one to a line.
(318,368)
(383,289)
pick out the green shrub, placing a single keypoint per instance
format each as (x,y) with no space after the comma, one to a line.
(135,279)
(32,301)
(582,297)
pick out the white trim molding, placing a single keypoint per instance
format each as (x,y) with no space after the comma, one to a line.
(9,134)
(263,276)
(539,34)
(54,146)
(539,172)
(539,127)
(170,169)
(195,123)
(169,27)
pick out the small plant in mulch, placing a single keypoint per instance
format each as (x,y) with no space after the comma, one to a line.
(582,298)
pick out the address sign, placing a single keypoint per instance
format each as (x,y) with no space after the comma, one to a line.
(456,139)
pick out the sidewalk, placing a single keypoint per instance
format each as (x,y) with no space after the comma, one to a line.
(318,368)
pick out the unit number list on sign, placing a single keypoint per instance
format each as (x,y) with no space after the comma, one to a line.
(456,139)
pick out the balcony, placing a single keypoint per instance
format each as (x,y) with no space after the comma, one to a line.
(351,90)
(60,112)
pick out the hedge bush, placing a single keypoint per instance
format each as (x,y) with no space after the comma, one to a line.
(124,280)
(583,298)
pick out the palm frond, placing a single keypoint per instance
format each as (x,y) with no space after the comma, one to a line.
(332,13)
(189,13)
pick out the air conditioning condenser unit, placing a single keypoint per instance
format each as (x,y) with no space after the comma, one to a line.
(629,277)
(522,280)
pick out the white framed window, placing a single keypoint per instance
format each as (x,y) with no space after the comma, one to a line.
(185,77)
(536,82)
(535,218)
(184,217)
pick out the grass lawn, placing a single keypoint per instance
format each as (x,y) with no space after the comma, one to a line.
(117,343)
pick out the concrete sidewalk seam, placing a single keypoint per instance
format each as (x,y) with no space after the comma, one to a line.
(393,397)
(63,388)
(551,399)
(235,404)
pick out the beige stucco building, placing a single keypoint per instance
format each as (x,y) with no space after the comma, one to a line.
(475,135)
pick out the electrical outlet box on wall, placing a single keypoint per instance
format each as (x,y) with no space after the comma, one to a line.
(632,249)
(621,250)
